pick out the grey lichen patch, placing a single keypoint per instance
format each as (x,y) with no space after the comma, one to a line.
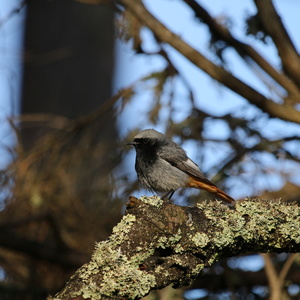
(121,278)
(212,259)
(142,255)
(108,251)
(104,254)
(86,270)
(176,237)
(224,238)
(291,231)
(120,234)
(154,201)
(162,242)
(220,230)
(250,206)
(247,221)
(179,248)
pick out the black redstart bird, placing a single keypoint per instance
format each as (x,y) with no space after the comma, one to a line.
(163,166)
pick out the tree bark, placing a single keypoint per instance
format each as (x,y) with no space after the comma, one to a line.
(158,243)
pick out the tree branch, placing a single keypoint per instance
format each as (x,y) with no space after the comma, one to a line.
(283,111)
(275,286)
(243,49)
(158,243)
(275,29)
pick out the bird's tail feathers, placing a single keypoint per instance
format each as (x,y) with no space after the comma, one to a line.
(205,184)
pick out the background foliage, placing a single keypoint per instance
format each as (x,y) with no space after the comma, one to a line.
(68,177)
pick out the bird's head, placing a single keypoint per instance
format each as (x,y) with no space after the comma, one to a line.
(148,139)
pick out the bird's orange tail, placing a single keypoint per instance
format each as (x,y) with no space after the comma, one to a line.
(205,184)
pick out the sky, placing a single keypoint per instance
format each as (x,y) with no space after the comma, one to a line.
(180,19)
(209,95)
(11,33)
(130,68)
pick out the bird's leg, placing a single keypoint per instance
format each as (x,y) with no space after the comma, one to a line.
(168,195)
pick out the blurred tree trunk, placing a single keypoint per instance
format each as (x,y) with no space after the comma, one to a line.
(62,199)
(68,66)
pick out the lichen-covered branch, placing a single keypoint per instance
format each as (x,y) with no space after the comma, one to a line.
(158,243)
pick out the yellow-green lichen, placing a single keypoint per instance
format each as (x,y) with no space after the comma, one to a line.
(165,242)
(127,280)
(285,219)
(179,248)
(154,200)
(200,239)
(141,256)
(121,275)
(212,259)
(123,227)
(198,268)
(176,237)
(105,253)
(91,291)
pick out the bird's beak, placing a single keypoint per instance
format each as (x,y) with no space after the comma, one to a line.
(131,143)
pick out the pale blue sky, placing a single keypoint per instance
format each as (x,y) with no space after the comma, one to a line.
(11,30)
(209,95)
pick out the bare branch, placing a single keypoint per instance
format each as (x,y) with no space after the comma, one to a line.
(287,266)
(276,280)
(243,49)
(275,287)
(275,29)
(284,111)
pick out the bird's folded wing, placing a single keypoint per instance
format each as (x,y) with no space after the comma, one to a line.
(188,167)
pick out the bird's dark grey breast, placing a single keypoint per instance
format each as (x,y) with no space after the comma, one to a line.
(155,168)
(145,159)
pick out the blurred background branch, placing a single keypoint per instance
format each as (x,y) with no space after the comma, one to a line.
(221,79)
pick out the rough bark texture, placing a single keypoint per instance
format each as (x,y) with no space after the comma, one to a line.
(158,243)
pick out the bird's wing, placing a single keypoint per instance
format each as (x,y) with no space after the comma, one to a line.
(196,178)
(185,164)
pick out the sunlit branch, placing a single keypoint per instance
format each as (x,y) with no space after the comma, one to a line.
(243,49)
(275,29)
(284,112)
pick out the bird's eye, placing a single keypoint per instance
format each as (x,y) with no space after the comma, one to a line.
(146,140)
